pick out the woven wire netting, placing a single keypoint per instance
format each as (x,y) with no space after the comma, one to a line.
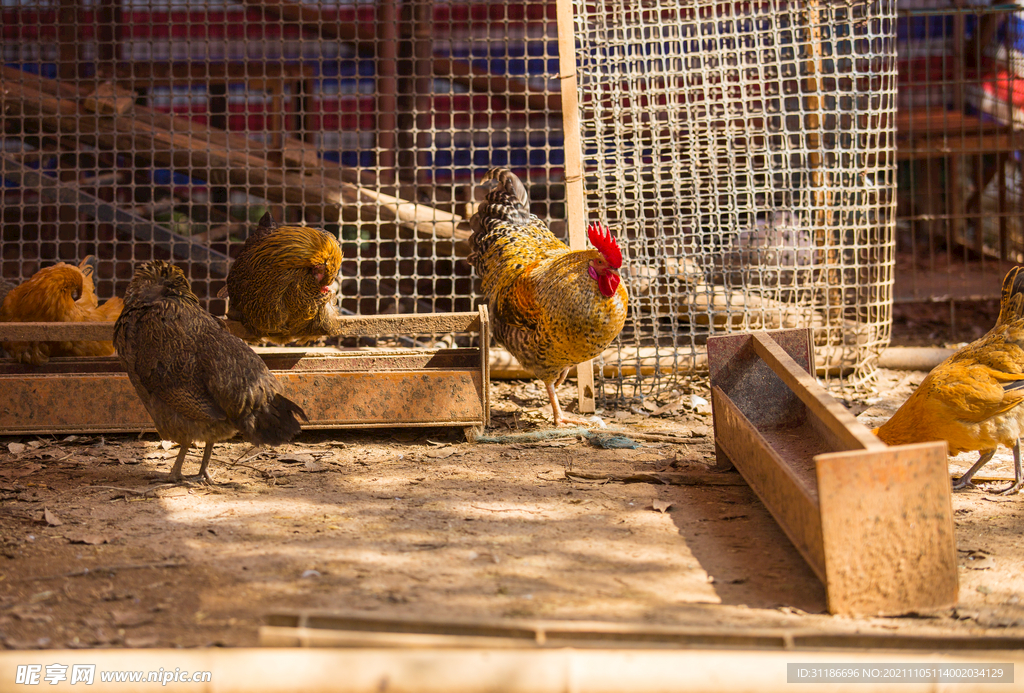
(741,151)
(744,152)
(960,137)
(139,129)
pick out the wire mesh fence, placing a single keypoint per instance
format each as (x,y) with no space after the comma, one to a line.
(165,128)
(959,147)
(742,152)
(746,150)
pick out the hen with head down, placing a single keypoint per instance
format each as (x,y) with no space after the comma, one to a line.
(283,286)
(58,293)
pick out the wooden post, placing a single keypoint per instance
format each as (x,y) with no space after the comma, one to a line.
(67,32)
(423,84)
(574,194)
(387,91)
(109,33)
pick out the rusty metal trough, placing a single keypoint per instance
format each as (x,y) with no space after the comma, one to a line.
(337,388)
(874,522)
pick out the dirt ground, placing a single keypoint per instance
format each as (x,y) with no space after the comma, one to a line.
(94,552)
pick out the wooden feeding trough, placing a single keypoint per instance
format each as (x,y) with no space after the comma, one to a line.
(874,522)
(337,388)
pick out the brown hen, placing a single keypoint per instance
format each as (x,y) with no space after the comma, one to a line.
(59,293)
(283,285)
(197,380)
(551,307)
(972,400)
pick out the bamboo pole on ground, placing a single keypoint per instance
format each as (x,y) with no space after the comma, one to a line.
(460,670)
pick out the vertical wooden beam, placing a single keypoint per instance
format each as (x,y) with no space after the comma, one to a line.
(574,193)
(387,91)
(67,35)
(423,84)
(109,33)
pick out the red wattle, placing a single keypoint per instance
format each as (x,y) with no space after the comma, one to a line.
(608,283)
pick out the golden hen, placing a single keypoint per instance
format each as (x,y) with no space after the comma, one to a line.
(59,293)
(197,380)
(551,307)
(972,399)
(283,285)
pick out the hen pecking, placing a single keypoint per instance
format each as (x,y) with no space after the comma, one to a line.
(972,399)
(551,307)
(59,293)
(283,285)
(197,380)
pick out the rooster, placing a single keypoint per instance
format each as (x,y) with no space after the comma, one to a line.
(196,379)
(972,400)
(551,307)
(59,293)
(283,286)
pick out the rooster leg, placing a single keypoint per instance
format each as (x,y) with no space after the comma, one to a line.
(562,376)
(556,411)
(965,481)
(1018,477)
(203,474)
(175,474)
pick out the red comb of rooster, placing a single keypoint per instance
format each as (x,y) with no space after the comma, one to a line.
(603,241)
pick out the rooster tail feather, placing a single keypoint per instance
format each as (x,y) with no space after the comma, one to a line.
(276,422)
(507,200)
(1011,303)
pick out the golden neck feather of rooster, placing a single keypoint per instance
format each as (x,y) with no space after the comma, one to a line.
(311,256)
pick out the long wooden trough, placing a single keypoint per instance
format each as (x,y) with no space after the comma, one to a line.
(874,522)
(337,388)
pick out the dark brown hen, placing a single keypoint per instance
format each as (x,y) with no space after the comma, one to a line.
(197,380)
(283,285)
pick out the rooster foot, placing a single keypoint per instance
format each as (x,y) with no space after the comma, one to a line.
(182,480)
(569,420)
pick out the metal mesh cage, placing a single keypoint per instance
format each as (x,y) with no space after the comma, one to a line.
(745,153)
(959,140)
(165,128)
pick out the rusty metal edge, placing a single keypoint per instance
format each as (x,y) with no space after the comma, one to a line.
(355,326)
(360,325)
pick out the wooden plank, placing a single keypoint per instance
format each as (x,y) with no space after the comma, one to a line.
(575,197)
(887,522)
(182,146)
(791,500)
(836,418)
(69,193)
(874,522)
